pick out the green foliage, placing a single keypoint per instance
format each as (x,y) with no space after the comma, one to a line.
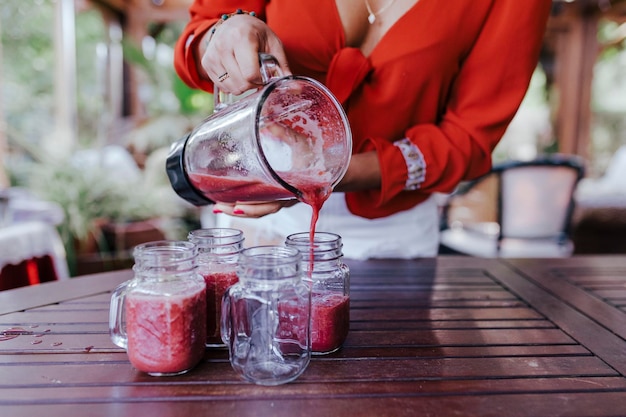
(95,193)
(28,57)
(89,193)
(192,101)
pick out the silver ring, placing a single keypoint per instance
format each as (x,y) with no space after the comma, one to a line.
(223,77)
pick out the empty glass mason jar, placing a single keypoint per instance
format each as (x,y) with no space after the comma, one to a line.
(218,253)
(159,316)
(329,277)
(265,316)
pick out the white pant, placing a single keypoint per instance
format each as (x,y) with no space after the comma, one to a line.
(407,234)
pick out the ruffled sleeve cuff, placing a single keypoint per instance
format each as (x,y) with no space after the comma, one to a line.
(415,164)
(402,168)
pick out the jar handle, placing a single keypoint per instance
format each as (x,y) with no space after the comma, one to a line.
(117,316)
(270,70)
(225,319)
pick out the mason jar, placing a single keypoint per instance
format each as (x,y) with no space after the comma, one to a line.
(329,278)
(159,316)
(218,253)
(265,316)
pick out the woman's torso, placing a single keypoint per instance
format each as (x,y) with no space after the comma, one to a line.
(391,75)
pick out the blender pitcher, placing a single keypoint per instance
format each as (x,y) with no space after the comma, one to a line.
(290,136)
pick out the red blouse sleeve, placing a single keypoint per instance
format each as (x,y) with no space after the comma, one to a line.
(485,96)
(203,14)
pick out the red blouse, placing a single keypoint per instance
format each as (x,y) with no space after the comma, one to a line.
(448,75)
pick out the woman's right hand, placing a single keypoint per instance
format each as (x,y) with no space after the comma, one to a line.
(234,49)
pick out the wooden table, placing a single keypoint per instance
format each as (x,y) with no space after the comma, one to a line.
(445,336)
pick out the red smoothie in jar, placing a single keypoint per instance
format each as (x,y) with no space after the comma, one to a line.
(330,321)
(216,285)
(166,334)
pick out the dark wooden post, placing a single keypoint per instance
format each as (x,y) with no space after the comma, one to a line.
(576,49)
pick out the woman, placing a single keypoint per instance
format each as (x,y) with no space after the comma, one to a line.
(429,88)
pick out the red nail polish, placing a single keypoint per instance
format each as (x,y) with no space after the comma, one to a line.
(217,211)
(238,211)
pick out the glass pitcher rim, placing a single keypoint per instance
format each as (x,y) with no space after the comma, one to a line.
(263,95)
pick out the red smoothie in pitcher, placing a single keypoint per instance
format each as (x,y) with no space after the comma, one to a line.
(216,285)
(229,190)
(166,335)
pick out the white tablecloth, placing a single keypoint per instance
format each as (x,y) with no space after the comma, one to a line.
(25,240)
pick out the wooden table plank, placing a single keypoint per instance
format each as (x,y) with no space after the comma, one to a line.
(25,357)
(64,342)
(357,390)
(102,392)
(53,292)
(414,404)
(319,371)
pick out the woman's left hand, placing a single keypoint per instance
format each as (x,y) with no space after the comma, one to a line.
(252,209)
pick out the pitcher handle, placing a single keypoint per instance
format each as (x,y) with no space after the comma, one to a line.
(270,71)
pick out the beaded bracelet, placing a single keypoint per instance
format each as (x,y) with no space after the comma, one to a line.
(225,17)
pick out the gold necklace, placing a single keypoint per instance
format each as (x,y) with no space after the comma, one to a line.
(372,16)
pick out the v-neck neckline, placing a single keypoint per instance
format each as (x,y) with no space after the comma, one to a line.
(383,38)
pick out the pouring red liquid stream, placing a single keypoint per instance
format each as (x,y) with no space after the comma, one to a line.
(329,311)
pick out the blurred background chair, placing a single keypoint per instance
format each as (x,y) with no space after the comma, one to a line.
(519,209)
